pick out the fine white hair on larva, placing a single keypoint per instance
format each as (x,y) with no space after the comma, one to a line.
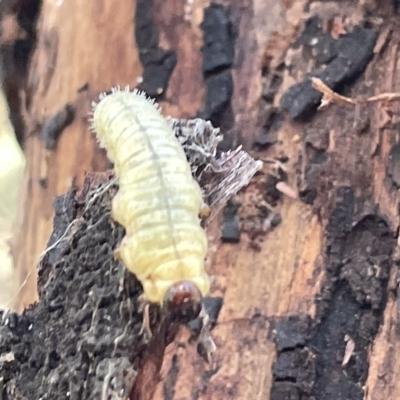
(158,201)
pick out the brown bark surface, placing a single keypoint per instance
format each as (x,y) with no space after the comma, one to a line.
(78,43)
(309,307)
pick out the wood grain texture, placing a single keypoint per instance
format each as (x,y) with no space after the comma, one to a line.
(287,275)
(255,285)
(78,43)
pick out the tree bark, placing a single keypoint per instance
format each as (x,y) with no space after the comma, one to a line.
(310,304)
(77,44)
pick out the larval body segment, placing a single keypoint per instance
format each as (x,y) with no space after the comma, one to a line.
(158,201)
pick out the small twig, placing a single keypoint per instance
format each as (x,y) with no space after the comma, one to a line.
(384,97)
(284,188)
(329,96)
(350,346)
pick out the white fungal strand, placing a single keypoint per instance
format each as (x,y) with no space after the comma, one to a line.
(158,201)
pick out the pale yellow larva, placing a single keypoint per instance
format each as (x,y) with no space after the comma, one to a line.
(158,201)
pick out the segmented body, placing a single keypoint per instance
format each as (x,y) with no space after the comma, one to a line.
(158,201)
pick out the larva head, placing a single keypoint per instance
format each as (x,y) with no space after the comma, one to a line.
(182,301)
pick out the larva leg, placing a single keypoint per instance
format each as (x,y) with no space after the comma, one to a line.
(118,251)
(144,305)
(146,320)
(206,346)
(205,210)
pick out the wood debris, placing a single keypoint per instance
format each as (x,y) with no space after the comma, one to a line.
(330,96)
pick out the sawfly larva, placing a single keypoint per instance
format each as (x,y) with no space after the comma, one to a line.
(158,201)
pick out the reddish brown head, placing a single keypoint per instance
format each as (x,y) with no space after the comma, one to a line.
(183,301)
